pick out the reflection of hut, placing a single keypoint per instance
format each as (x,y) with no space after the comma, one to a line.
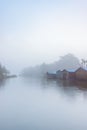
(51,75)
(81,74)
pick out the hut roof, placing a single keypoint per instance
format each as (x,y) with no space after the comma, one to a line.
(81,68)
(71,70)
(67,70)
(52,72)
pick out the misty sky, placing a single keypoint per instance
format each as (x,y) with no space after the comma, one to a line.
(37,31)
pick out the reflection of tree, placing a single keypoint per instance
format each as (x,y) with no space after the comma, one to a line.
(2,82)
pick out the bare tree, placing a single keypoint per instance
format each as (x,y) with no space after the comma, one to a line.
(84,63)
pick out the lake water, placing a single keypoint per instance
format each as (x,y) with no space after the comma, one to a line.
(34,104)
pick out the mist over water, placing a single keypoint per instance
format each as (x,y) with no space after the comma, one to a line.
(42,104)
(37,37)
(33,32)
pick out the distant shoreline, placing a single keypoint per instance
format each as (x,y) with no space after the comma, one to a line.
(12,76)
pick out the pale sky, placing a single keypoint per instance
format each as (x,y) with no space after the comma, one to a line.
(37,31)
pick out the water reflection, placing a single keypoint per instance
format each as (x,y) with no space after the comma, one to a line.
(68,88)
(40,104)
(3,82)
(73,84)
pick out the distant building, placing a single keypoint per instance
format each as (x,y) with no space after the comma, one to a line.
(66,74)
(51,75)
(79,74)
(59,74)
(71,74)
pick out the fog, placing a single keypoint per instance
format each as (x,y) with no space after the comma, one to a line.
(33,32)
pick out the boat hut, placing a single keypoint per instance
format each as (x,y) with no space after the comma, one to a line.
(62,74)
(59,74)
(66,74)
(51,75)
(71,74)
(81,74)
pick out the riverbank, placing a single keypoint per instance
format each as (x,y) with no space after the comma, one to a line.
(12,76)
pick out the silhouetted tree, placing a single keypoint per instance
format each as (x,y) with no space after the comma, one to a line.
(84,63)
(68,61)
(3,72)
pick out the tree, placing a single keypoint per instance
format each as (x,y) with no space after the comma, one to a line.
(84,63)
(68,61)
(3,72)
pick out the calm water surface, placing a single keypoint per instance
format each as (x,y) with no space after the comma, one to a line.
(33,104)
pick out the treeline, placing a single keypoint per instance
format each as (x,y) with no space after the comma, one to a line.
(3,72)
(68,61)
